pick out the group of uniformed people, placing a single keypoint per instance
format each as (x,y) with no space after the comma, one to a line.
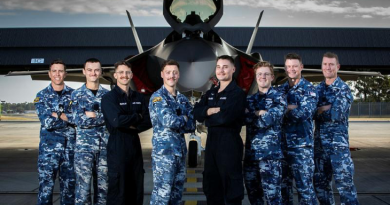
(296,132)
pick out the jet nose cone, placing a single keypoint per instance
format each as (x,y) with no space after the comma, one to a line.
(196,58)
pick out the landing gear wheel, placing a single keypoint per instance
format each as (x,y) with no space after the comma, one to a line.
(193,154)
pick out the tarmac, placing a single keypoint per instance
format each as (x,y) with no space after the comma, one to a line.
(19,151)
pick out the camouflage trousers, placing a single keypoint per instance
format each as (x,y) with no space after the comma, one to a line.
(300,167)
(90,165)
(287,181)
(263,175)
(336,162)
(169,173)
(56,156)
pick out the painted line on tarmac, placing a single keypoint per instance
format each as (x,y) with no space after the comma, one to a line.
(191,180)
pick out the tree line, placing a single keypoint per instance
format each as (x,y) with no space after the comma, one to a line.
(371,89)
(367,89)
(16,107)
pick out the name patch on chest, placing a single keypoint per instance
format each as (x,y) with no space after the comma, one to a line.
(211,98)
(222,98)
(136,103)
(124,103)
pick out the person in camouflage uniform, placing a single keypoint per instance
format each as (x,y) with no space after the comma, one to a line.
(298,133)
(263,117)
(331,145)
(92,137)
(126,114)
(172,116)
(57,137)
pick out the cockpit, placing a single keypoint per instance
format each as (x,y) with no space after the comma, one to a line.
(193,15)
(193,11)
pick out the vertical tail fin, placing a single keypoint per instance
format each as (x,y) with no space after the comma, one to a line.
(249,49)
(137,41)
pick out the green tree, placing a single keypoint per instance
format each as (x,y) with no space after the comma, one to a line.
(19,108)
(372,88)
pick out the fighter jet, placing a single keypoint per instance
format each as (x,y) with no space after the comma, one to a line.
(195,45)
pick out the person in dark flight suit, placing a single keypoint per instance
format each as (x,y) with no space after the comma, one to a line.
(126,114)
(222,109)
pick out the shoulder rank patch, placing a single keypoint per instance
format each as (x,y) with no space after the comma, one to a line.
(36,100)
(70,103)
(156,99)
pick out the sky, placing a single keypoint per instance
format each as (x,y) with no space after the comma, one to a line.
(146,13)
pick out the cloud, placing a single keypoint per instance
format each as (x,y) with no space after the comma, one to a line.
(366,16)
(380,11)
(114,7)
(154,7)
(349,9)
(350,16)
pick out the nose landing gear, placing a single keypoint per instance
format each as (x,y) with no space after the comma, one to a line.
(194,150)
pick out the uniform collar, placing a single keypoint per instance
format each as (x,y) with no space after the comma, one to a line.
(335,82)
(166,92)
(89,92)
(270,90)
(123,93)
(66,89)
(301,82)
(230,87)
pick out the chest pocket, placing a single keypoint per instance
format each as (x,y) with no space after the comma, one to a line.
(93,104)
(268,103)
(323,99)
(330,95)
(293,97)
(124,106)
(63,104)
(217,100)
(136,106)
(67,105)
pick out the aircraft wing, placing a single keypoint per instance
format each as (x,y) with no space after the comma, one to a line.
(73,74)
(246,78)
(315,75)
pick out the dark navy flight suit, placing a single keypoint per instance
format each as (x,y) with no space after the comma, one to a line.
(124,154)
(223,179)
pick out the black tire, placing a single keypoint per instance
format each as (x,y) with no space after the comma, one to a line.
(193,154)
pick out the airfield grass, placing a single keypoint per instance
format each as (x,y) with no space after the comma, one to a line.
(24,117)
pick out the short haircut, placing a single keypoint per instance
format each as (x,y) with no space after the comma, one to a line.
(57,61)
(92,60)
(226,57)
(331,55)
(264,64)
(170,62)
(122,62)
(292,56)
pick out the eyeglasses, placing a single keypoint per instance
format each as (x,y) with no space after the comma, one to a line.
(124,72)
(261,74)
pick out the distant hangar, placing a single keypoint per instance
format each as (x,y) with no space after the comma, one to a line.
(365,49)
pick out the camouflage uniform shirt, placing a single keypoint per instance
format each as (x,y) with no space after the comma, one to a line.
(264,132)
(169,124)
